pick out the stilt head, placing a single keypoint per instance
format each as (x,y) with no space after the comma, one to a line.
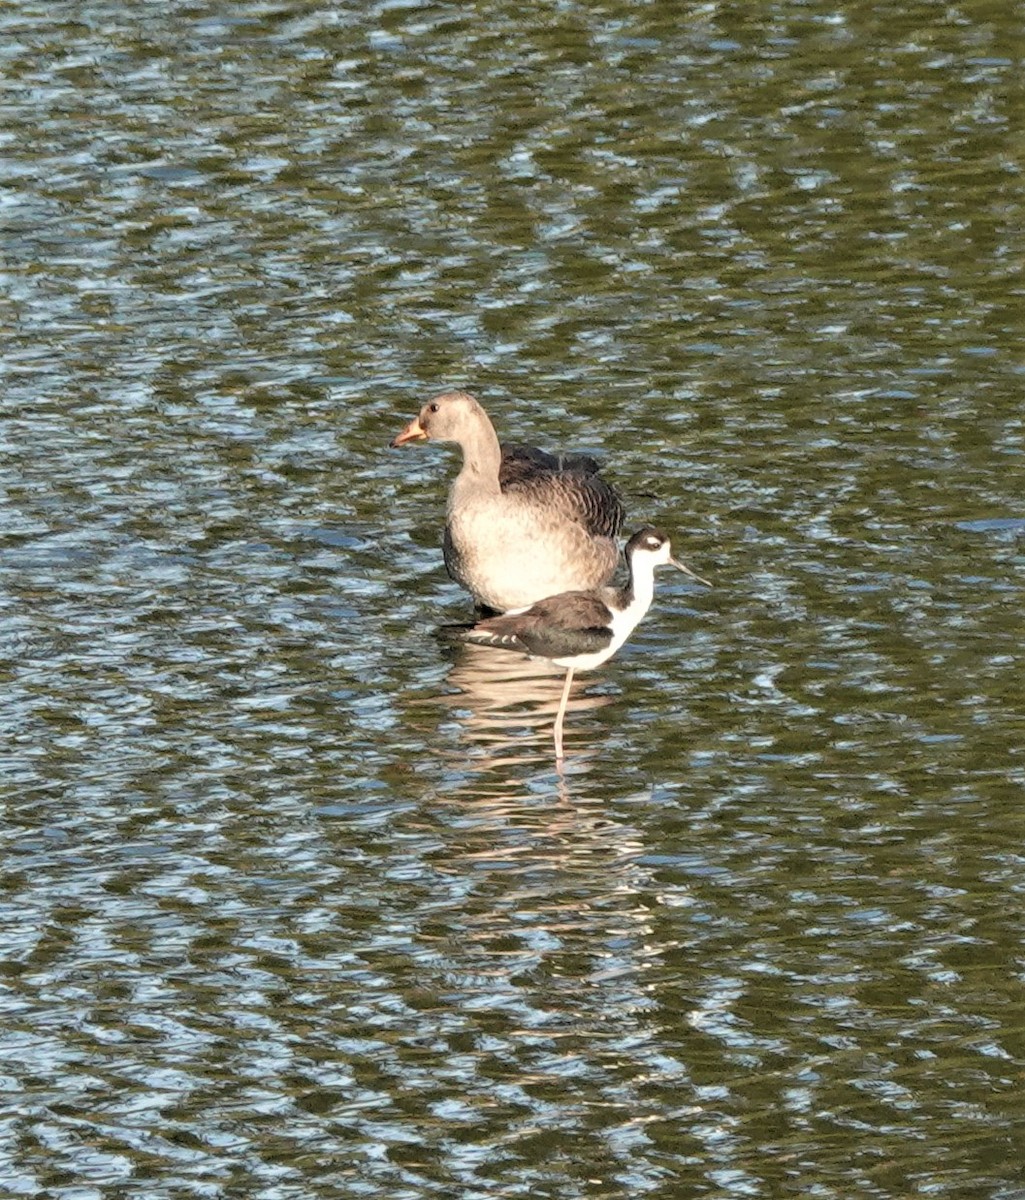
(649,547)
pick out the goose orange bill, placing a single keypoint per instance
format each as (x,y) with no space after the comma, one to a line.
(414,432)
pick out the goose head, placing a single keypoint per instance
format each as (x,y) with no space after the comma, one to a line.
(450,417)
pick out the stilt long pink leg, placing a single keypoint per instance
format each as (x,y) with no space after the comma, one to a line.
(561,715)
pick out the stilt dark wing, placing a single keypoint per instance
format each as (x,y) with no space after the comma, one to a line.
(566,643)
(558,627)
(568,624)
(484,634)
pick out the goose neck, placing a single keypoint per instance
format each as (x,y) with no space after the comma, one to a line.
(482,456)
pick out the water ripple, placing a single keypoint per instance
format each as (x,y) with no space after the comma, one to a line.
(295,903)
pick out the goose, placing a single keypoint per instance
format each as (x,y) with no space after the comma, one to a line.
(579,630)
(521,524)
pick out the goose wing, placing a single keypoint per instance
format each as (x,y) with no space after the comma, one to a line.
(568,483)
(518,460)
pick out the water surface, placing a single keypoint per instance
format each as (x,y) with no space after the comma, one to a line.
(295,903)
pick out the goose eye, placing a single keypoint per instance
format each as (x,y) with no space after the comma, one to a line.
(434,407)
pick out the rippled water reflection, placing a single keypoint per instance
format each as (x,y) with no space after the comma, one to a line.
(294,902)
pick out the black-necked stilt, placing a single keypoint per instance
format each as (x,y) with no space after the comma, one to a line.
(522,524)
(580,630)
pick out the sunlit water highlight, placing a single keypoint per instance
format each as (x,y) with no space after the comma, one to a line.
(295,903)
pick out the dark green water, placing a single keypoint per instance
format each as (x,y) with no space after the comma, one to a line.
(293,902)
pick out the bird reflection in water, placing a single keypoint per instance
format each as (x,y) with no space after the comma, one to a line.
(505,701)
